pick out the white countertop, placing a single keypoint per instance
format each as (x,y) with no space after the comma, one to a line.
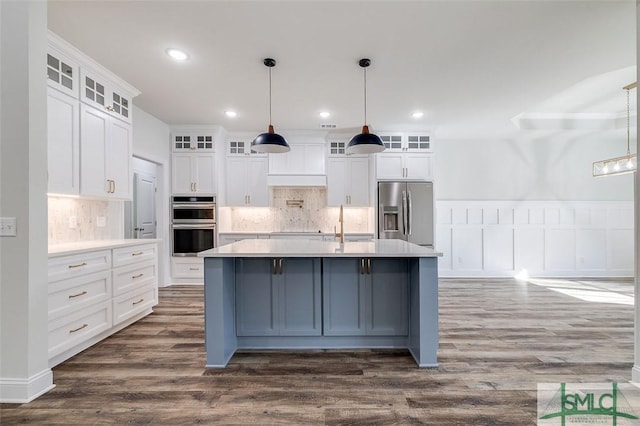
(86,246)
(296,233)
(314,248)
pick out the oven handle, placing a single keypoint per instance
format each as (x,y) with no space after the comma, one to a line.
(194,206)
(194,226)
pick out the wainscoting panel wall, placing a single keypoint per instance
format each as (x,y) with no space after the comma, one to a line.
(547,239)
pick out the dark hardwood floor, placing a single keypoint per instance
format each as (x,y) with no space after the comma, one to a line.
(498,339)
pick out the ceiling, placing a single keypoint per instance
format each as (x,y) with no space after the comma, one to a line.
(470,66)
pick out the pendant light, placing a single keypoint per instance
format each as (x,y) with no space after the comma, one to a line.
(365,142)
(270,141)
(619,165)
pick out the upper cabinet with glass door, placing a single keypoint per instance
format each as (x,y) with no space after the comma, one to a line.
(241,146)
(193,141)
(406,142)
(62,72)
(100,93)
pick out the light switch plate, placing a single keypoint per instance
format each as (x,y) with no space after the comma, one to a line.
(8,227)
(73,222)
(101,221)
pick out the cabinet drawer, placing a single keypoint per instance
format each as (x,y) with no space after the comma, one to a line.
(73,294)
(134,254)
(126,278)
(191,268)
(74,265)
(127,305)
(71,330)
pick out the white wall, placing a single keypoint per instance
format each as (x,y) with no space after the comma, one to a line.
(534,166)
(151,141)
(24,369)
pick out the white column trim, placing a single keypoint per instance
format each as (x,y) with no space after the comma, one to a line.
(20,391)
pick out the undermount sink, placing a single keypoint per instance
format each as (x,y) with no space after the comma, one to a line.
(296,232)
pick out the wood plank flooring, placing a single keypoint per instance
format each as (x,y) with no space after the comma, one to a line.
(498,339)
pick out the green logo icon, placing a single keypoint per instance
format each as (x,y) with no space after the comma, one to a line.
(599,404)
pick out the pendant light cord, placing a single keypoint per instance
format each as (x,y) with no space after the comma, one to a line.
(270,96)
(365,96)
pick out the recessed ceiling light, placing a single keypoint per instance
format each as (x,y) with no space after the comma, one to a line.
(231,114)
(177,54)
(325,114)
(417,114)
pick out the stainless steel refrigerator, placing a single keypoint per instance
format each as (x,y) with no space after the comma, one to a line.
(405,212)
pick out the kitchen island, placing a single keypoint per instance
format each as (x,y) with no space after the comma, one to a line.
(309,294)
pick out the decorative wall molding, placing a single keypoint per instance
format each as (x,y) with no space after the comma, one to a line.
(547,238)
(21,391)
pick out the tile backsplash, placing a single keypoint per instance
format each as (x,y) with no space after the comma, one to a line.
(295,210)
(76,219)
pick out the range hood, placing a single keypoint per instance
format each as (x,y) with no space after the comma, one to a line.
(304,165)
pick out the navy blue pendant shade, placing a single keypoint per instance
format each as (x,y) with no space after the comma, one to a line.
(270,141)
(365,142)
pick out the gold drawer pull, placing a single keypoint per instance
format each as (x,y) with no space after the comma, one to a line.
(136,276)
(85,325)
(71,296)
(78,265)
(194,269)
(139,301)
(138,253)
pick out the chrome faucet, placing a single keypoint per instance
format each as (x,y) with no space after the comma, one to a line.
(341,220)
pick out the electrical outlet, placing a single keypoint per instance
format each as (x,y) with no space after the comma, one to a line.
(73,222)
(101,221)
(8,227)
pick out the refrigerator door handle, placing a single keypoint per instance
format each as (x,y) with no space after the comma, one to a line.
(409,212)
(405,217)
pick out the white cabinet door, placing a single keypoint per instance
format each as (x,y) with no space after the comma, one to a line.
(63,143)
(193,174)
(256,179)
(93,139)
(204,173)
(181,174)
(337,177)
(359,181)
(390,166)
(303,159)
(118,154)
(418,167)
(236,181)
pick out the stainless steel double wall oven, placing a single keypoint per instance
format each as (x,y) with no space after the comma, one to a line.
(193,224)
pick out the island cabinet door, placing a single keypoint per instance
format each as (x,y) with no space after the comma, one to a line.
(387,307)
(256,297)
(344,298)
(299,299)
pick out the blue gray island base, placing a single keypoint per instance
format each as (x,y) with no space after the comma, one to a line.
(318,302)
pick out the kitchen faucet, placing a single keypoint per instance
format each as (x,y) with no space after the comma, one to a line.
(341,220)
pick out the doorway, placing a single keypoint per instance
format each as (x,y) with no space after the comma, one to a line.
(140,213)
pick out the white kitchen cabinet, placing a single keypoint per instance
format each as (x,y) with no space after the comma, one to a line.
(406,142)
(62,72)
(246,180)
(404,166)
(184,141)
(93,294)
(63,143)
(187,267)
(105,155)
(193,173)
(104,95)
(348,181)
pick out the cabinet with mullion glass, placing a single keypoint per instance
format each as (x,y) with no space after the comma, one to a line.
(190,142)
(241,147)
(62,72)
(98,92)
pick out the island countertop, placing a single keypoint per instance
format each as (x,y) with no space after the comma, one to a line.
(314,248)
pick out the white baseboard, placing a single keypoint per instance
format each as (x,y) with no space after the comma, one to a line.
(635,374)
(20,391)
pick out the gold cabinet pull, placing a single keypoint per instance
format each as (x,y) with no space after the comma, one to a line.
(78,265)
(194,269)
(280,265)
(139,301)
(275,267)
(369,266)
(362,266)
(71,296)
(85,325)
(136,276)
(137,253)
